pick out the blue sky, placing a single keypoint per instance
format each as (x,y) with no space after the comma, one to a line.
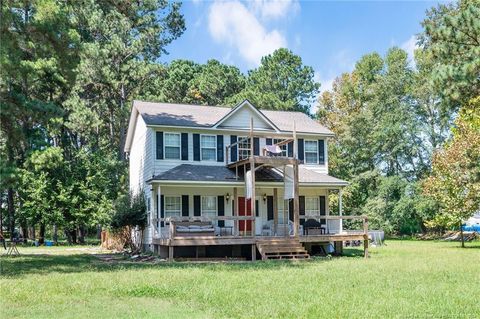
(329,35)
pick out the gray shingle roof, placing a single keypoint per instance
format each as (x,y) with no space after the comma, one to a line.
(206,173)
(207,116)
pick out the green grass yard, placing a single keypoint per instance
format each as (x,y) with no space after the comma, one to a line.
(405,279)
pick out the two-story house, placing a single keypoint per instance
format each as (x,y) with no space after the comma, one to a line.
(194,163)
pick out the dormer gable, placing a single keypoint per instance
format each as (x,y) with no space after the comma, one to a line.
(240,116)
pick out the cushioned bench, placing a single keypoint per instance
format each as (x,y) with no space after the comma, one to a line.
(193,229)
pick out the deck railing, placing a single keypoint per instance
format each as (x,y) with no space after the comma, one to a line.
(237,220)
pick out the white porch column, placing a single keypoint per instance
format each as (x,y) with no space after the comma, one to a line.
(340,208)
(157,200)
(153,210)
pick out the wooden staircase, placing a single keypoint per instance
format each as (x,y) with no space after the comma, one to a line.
(281,248)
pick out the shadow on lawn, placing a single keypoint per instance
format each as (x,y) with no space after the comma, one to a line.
(12,267)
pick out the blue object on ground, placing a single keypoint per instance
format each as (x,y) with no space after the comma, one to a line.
(48,243)
(471,228)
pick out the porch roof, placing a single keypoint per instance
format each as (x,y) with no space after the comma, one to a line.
(185,173)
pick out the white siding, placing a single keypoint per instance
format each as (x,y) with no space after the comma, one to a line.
(140,161)
(241,119)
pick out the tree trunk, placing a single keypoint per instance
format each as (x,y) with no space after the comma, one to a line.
(55,234)
(31,232)
(24,228)
(41,235)
(81,235)
(11,213)
(99,231)
(68,235)
(461,235)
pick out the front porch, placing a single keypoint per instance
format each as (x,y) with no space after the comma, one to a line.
(167,244)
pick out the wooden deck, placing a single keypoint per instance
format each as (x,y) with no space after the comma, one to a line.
(250,240)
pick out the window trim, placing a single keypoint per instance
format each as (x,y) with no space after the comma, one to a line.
(165,205)
(214,148)
(165,145)
(238,146)
(305,152)
(201,204)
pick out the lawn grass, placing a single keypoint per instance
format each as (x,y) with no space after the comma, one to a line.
(405,279)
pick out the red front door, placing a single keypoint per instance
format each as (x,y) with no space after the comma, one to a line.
(245,225)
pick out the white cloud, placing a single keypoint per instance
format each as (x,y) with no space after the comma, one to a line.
(410,46)
(274,9)
(232,23)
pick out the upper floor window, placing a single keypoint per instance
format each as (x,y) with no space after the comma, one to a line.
(172,145)
(173,206)
(282,147)
(312,206)
(311,152)
(243,147)
(209,206)
(208,145)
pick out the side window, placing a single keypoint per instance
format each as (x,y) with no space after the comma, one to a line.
(172,145)
(209,206)
(208,145)
(173,206)
(311,152)
(243,147)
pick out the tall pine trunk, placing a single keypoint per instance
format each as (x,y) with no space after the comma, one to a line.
(41,235)
(11,212)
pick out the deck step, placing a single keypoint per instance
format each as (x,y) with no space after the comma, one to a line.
(282,248)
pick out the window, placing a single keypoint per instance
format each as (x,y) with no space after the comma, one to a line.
(311,152)
(208,145)
(209,206)
(312,206)
(282,147)
(243,147)
(280,207)
(173,206)
(172,145)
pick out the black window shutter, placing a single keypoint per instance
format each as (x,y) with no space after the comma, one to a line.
(256,146)
(233,150)
(197,205)
(196,147)
(321,152)
(269,207)
(184,146)
(257,211)
(323,210)
(301,149)
(162,209)
(301,208)
(185,205)
(268,141)
(290,209)
(219,148)
(221,209)
(159,142)
(290,149)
